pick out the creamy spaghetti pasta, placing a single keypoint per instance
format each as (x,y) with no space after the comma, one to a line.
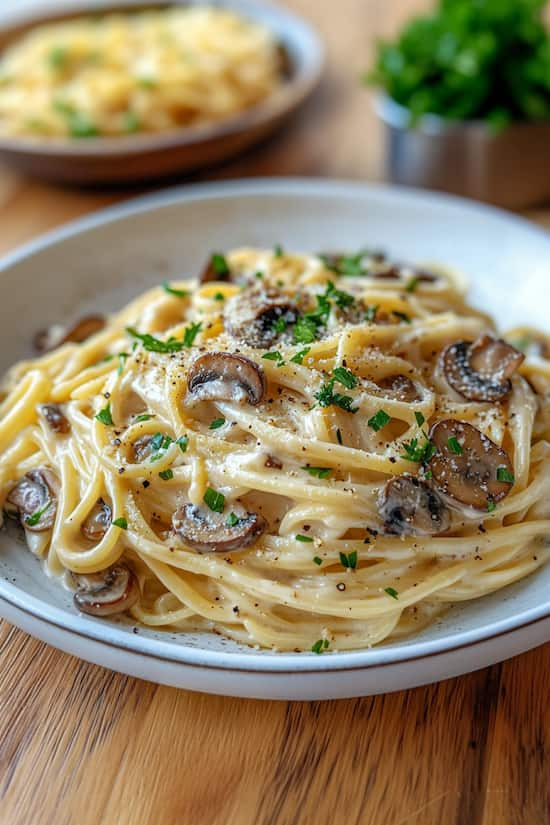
(300,452)
(136,72)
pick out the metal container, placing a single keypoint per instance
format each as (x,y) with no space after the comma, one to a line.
(510,168)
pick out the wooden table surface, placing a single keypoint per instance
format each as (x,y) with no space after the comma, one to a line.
(80,744)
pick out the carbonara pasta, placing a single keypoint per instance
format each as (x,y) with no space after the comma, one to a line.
(136,72)
(299,452)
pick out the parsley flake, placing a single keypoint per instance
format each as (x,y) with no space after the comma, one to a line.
(349,561)
(143,417)
(216,424)
(402,316)
(278,251)
(391,592)
(152,344)
(182,442)
(121,522)
(305,331)
(319,646)
(319,472)
(454,445)
(33,519)
(190,333)
(177,293)
(232,520)
(166,475)
(214,500)
(219,264)
(370,313)
(300,537)
(378,420)
(105,416)
(491,506)
(273,356)
(504,474)
(412,283)
(414,451)
(326,397)
(318,561)
(299,357)
(345,377)
(419,418)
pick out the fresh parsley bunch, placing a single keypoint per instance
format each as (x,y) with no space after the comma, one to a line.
(471,60)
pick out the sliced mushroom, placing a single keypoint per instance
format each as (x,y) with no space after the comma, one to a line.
(410,507)
(98,522)
(35,499)
(55,417)
(51,338)
(251,315)
(467,463)
(103,594)
(400,388)
(481,371)
(142,448)
(224,376)
(206,531)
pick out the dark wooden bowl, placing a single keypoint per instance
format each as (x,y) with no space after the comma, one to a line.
(125,159)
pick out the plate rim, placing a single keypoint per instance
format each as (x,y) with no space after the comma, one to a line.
(270,662)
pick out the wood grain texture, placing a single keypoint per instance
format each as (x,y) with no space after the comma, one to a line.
(80,745)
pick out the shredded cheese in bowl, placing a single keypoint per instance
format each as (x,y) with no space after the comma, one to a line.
(124,73)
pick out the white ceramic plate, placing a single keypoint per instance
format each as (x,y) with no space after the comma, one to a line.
(103,260)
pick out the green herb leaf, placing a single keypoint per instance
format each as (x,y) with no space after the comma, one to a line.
(414,451)
(219,296)
(349,560)
(300,537)
(122,356)
(57,57)
(305,331)
(345,377)
(491,506)
(454,445)
(319,646)
(121,522)
(166,475)
(504,474)
(370,313)
(33,519)
(402,316)
(190,333)
(412,283)
(391,592)
(216,424)
(280,325)
(278,250)
(143,417)
(105,416)
(378,420)
(219,264)
(326,396)
(273,356)
(232,520)
(177,293)
(317,561)
(299,357)
(182,442)
(214,500)
(419,418)
(152,344)
(319,472)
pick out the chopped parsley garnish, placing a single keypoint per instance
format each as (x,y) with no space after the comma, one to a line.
(339,436)
(317,561)
(166,475)
(216,424)
(278,251)
(378,420)
(122,356)
(319,472)
(33,519)
(412,283)
(274,356)
(391,592)
(152,344)
(177,293)
(319,646)
(370,313)
(347,265)
(182,442)
(121,522)
(190,333)
(219,296)
(504,474)
(219,264)
(454,445)
(419,452)
(402,316)
(214,500)
(326,396)
(280,325)
(259,275)
(305,331)
(159,443)
(105,416)
(143,417)
(232,520)
(341,299)
(345,377)
(428,474)
(491,506)
(349,560)
(299,357)
(419,418)
(57,57)
(300,537)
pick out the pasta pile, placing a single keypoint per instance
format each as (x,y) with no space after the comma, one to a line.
(299,452)
(124,73)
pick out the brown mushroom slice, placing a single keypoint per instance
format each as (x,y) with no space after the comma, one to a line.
(481,371)
(411,507)
(55,417)
(251,315)
(106,593)
(467,465)
(399,388)
(143,448)
(51,338)
(206,531)
(224,376)
(35,499)
(98,522)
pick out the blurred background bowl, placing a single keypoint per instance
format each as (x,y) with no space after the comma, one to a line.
(136,158)
(509,168)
